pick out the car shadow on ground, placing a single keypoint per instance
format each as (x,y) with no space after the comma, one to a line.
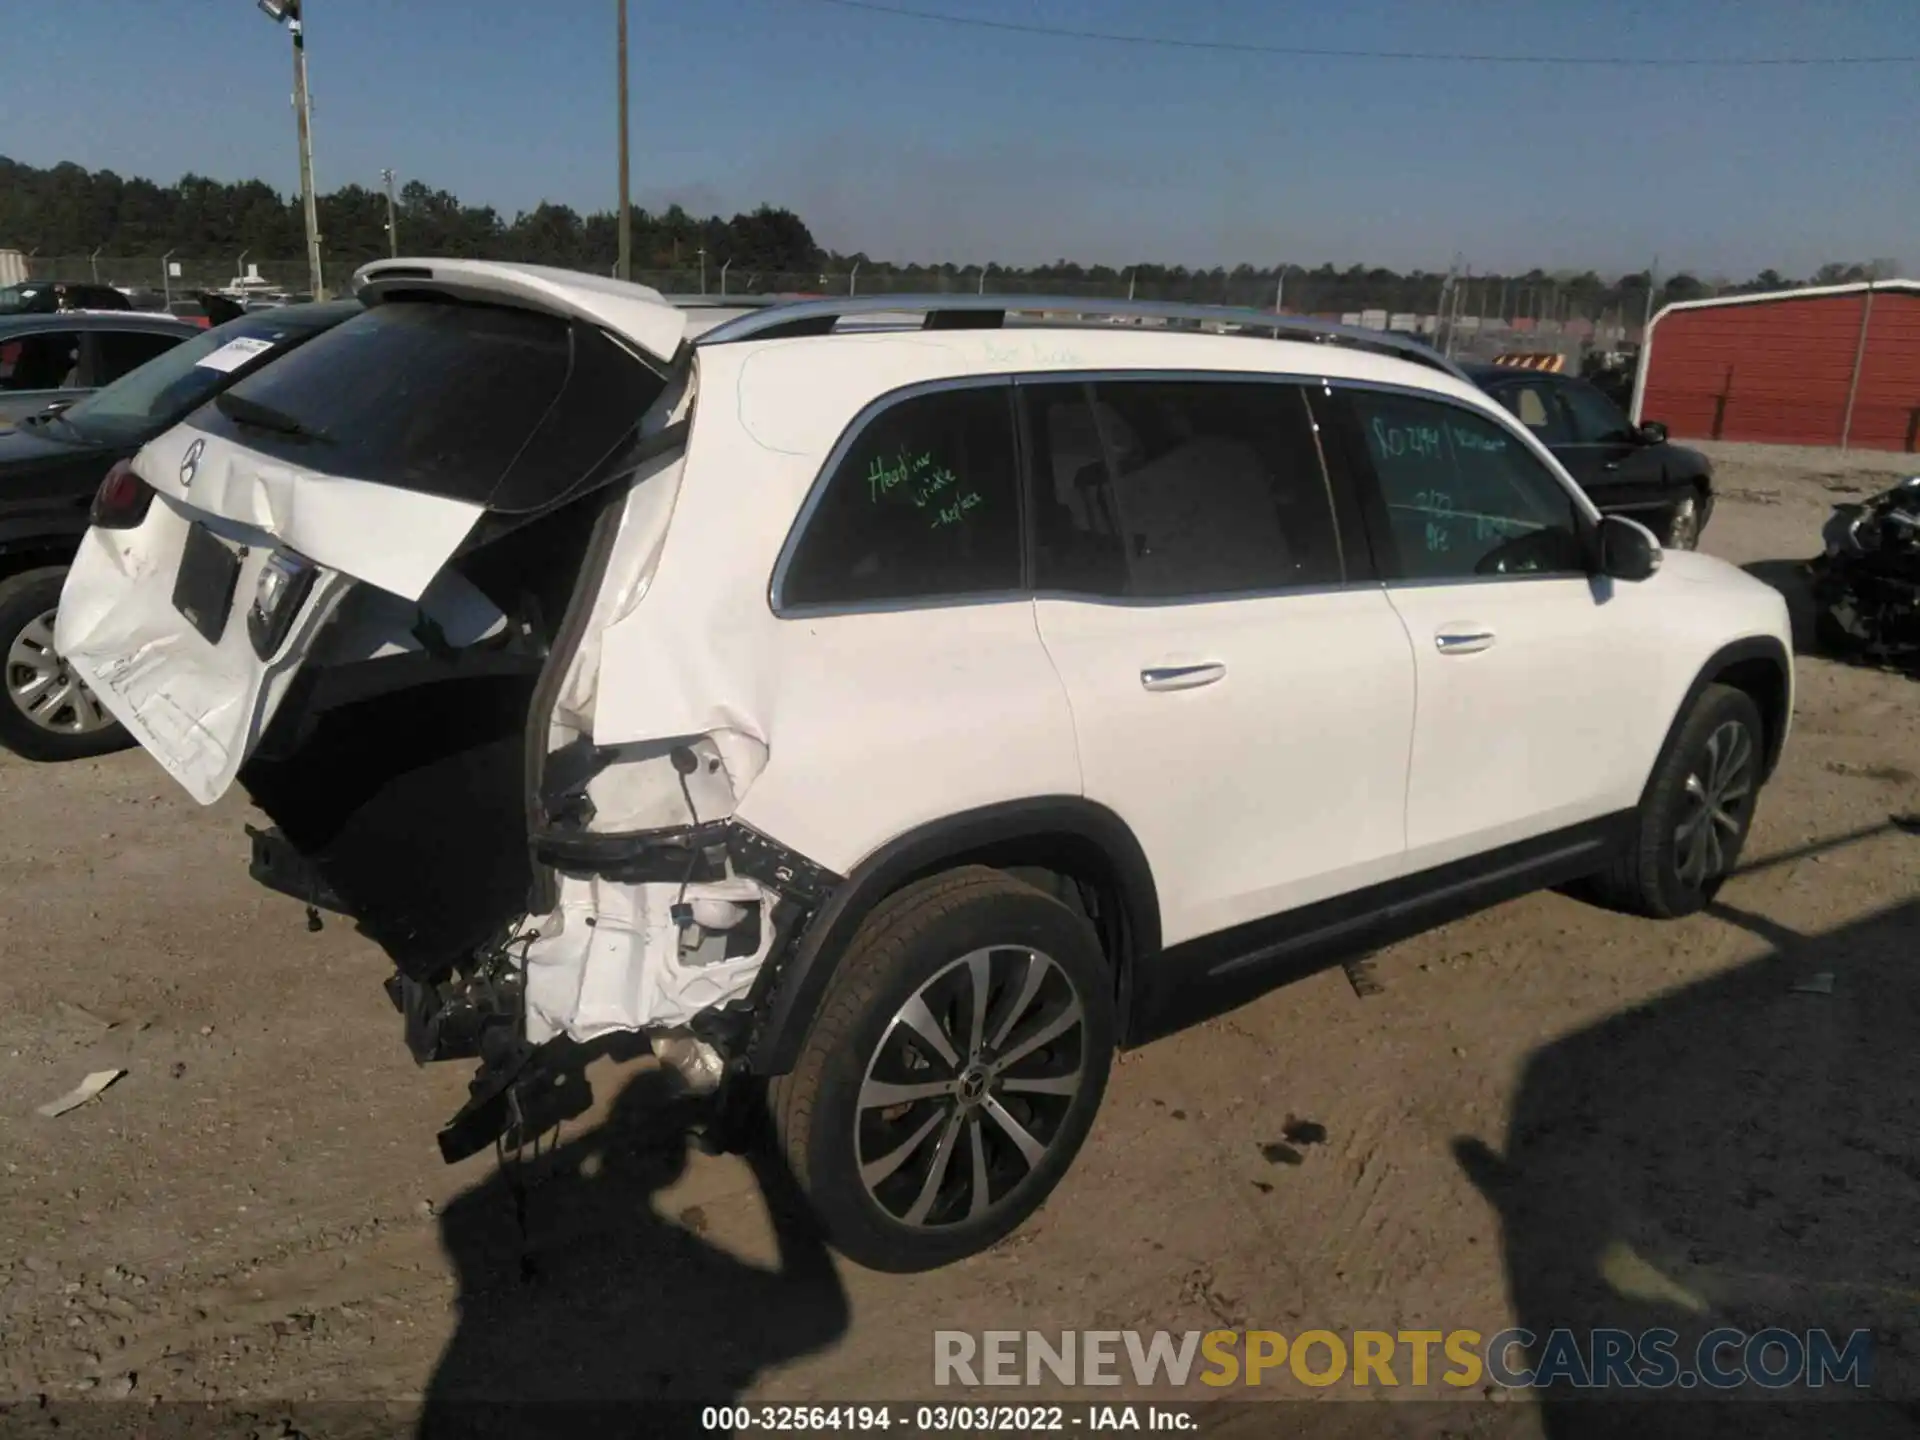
(1740,1152)
(604,1316)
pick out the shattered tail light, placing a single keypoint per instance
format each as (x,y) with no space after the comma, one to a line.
(123,499)
(278,596)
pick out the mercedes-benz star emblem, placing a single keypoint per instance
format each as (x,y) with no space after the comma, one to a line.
(191,463)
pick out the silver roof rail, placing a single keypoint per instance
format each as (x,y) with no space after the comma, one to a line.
(990,312)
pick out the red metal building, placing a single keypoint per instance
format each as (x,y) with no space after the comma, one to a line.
(1830,365)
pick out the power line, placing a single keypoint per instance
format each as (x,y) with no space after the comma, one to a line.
(1167,42)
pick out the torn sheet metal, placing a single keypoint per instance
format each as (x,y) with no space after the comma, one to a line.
(199,705)
(612,957)
(200,708)
(197,708)
(394,538)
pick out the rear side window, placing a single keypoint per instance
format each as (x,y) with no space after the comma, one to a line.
(45,360)
(923,504)
(1168,488)
(123,350)
(1536,408)
(506,408)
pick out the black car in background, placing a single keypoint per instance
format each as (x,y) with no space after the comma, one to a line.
(46,297)
(1636,472)
(51,467)
(51,360)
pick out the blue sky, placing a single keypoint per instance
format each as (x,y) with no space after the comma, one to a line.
(921,141)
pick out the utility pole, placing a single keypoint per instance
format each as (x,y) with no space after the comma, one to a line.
(393,223)
(316,282)
(1646,320)
(292,14)
(625,267)
(703,269)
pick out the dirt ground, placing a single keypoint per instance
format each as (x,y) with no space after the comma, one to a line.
(1548,1114)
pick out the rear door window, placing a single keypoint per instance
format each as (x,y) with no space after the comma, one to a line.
(119,351)
(1535,406)
(44,360)
(506,408)
(1162,489)
(923,504)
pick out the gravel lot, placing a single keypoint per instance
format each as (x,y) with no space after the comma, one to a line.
(1548,1114)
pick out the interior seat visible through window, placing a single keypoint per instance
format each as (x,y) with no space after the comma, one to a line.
(1163,488)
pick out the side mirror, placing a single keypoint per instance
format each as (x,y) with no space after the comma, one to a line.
(1652,432)
(56,407)
(1628,550)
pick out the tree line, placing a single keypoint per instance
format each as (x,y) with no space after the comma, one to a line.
(69,211)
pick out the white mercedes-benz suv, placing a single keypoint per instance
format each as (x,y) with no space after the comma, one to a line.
(889,708)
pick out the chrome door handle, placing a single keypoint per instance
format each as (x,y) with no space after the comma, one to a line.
(1463,642)
(1182,677)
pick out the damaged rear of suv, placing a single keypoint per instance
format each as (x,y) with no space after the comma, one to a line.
(889,723)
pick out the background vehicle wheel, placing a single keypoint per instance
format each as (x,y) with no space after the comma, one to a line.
(1683,525)
(1696,813)
(952,1073)
(46,713)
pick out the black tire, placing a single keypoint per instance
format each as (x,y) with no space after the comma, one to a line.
(913,945)
(25,599)
(1654,876)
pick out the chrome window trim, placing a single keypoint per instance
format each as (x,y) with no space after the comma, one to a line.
(1218,597)
(1444,582)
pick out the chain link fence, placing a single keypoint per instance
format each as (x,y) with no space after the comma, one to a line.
(1471,318)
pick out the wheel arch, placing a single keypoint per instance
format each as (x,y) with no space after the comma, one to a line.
(1066,835)
(1761,668)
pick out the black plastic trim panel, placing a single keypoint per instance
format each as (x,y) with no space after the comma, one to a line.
(1046,823)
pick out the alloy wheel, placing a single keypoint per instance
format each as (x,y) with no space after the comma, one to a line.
(970,1086)
(44,689)
(1715,805)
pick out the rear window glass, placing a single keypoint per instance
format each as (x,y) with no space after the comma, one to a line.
(501,407)
(148,399)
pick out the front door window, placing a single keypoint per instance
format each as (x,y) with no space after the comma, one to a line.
(1464,497)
